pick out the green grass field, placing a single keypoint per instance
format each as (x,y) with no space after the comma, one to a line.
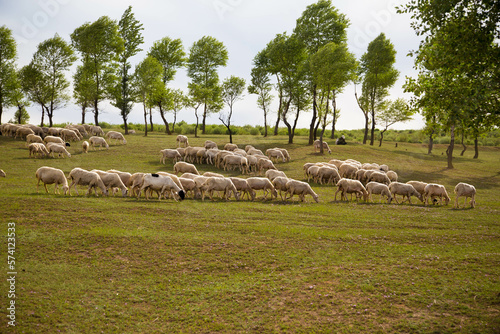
(122,265)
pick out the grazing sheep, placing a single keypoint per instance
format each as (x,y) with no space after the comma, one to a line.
(219,158)
(230,147)
(82,177)
(201,155)
(254,151)
(131,132)
(53,139)
(49,175)
(348,170)
(242,186)
(328,175)
(271,174)
(265,164)
(173,177)
(211,155)
(252,163)
(85,146)
(312,172)
(31,138)
(2,173)
(116,136)
(189,185)
(262,183)
(211,174)
(405,190)
(279,183)
(190,153)
(124,176)
(349,186)
(419,186)
(170,154)
(38,149)
(95,141)
(23,132)
(466,190)
(70,135)
(300,188)
(285,153)
(317,146)
(392,175)
(379,177)
(336,162)
(275,155)
(380,189)
(210,144)
(219,184)
(184,167)
(135,183)
(59,149)
(54,131)
(231,162)
(182,140)
(112,180)
(433,190)
(161,184)
(96,130)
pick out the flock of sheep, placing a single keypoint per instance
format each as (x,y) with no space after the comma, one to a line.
(350,176)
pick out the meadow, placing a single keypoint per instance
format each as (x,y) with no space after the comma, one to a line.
(89,264)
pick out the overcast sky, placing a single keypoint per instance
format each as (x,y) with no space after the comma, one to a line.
(244,26)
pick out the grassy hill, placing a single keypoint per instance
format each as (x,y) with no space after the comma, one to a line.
(113,264)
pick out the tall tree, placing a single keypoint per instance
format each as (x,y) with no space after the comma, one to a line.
(8,54)
(391,113)
(170,54)
(129,30)
(147,83)
(320,24)
(177,101)
(83,89)
(379,74)
(459,75)
(232,91)
(35,85)
(261,85)
(205,57)
(333,67)
(100,45)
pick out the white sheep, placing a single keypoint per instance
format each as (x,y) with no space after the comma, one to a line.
(53,139)
(219,184)
(190,153)
(328,175)
(379,177)
(379,189)
(432,191)
(466,190)
(59,149)
(85,146)
(210,144)
(265,164)
(211,155)
(349,186)
(254,151)
(348,170)
(242,186)
(275,155)
(98,141)
(38,149)
(70,135)
(231,162)
(23,132)
(182,140)
(32,138)
(271,174)
(212,174)
(312,172)
(184,167)
(169,154)
(230,147)
(135,183)
(112,180)
(317,146)
(83,177)
(118,136)
(161,184)
(174,177)
(392,175)
(50,175)
(300,188)
(262,183)
(189,185)
(418,185)
(201,155)
(279,183)
(405,190)
(96,130)
(124,176)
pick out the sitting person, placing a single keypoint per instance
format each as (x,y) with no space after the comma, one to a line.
(341,141)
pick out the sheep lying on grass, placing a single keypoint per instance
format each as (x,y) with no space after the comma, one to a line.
(466,190)
(300,188)
(405,190)
(379,189)
(161,184)
(49,175)
(348,186)
(82,177)
(432,191)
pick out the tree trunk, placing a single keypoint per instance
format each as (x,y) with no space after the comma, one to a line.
(265,123)
(476,148)
(96,113)
(463,145)
(151,119)
(145,120)
(162,114)
(276,126)
(1,112)
(83,115)
(312,131)
(372,137)
(197,121)
(431,142)
(43,116)
(381,137)
(334,120)
(204,120)
(451,147)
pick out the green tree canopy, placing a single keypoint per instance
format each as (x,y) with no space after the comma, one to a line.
(8,54)
(232,91)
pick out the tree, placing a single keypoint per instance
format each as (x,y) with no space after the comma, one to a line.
(100,46)
(232,91)
(21,115)
(147,83)
(129,30)
(320,24)
(177,101)
(170,54)
(205,56)
(261,85)
(35,85)
(333,67)
(8,54)
(457,61)
(83,88)
(393,112)
(379,74)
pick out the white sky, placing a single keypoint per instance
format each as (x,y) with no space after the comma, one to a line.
(244,26)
